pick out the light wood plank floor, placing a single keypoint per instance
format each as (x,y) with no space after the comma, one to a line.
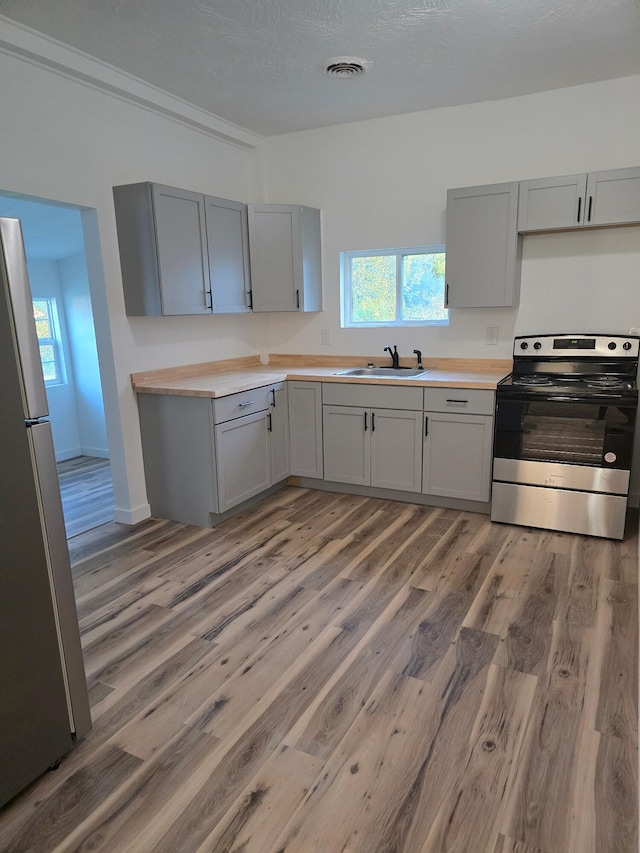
(336,673)
(86,489)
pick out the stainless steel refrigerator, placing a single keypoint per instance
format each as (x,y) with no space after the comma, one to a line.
(44,705)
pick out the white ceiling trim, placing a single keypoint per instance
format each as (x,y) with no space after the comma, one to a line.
(27,44)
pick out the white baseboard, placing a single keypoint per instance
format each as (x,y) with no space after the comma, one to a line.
(100,452)
(70,453)
(132,516)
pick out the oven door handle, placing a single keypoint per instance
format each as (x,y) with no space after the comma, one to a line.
(622,401)
(569,399)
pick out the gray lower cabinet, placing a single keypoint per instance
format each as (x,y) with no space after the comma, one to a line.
(203,457)
(396,450)
(178,446)
(181,252)
(305,428)
(596,199)
(371,435)
(286,261)
(252,450)
(346,441)
(484,250)
(243,459)
(372,447)
(278,427)
(458,441)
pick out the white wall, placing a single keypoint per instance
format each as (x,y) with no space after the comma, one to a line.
(92,428)
(45,283)
(383,183)
(379,183)
(69,142)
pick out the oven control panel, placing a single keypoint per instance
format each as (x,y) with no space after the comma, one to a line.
(547,346)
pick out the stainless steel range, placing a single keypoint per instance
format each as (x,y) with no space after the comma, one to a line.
(565,422)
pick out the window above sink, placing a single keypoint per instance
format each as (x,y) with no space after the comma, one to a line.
(393,287)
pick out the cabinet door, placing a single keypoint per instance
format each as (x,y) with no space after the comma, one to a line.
(457,455)
(228,244)
(346,439)
(243,459)
(396,450)
(483,248)
(551,203)
(305,428)
(182,251)
(279,432)
(274,242)
(613,197)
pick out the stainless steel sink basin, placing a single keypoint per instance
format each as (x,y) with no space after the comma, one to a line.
(392,372)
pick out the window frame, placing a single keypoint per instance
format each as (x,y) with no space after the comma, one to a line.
(346,301)
(55,341)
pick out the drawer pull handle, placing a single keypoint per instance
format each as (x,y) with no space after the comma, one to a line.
(426,427)
(458,402)
(273,397)
(244,405)
(365,421)
(373,421)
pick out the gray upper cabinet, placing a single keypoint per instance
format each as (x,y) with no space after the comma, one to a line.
(228,249)
(616,197)
(285,251)
(177,248)
(163,250)
(596,199)
(484,256)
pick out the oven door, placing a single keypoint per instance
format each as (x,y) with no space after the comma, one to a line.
(574,443)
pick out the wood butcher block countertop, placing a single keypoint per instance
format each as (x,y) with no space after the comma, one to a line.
(221,378)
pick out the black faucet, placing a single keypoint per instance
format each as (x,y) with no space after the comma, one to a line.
(395,358)
(418,355)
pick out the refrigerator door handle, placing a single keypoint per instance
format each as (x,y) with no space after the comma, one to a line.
(14,277)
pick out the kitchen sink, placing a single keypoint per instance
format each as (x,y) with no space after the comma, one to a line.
(393,372)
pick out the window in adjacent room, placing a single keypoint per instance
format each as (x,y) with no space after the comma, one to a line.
(47,327)
(394,287)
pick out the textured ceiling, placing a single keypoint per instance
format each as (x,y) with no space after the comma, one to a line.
(258,63)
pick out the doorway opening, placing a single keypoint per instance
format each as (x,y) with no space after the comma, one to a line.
(58,273)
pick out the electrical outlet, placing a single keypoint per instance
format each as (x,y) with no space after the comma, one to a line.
(491,335)
(325,337)
(634,330)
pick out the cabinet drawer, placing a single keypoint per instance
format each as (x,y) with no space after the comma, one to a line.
(370,397)
(471,400)
(244,403)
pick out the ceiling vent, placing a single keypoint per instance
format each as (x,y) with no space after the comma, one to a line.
(346,66)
